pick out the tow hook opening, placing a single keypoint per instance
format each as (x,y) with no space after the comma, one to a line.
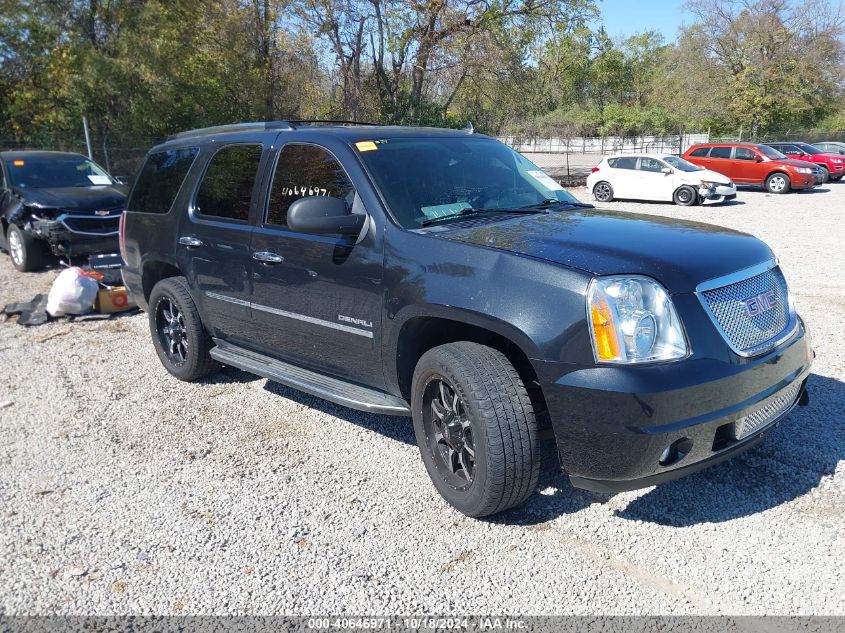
(676,451)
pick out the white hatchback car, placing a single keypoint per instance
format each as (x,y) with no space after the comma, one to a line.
(658,177)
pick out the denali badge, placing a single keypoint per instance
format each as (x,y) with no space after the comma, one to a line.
(347,319)
(761,303)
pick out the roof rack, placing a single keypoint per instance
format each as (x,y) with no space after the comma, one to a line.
(234,127)
(295,122)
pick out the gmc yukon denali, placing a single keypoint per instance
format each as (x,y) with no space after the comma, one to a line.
(440,275)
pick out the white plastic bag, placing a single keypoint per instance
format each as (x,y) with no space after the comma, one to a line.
(72,293)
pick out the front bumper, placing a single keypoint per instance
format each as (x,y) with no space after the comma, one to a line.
(72,235)
(613,425)
(719,191)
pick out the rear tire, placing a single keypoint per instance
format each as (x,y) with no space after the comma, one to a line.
(26,251)
(778,182)
(685,196)
(475,428)
(603,191)
(180,340)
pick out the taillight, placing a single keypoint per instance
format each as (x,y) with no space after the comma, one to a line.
(595,169)
(122,236)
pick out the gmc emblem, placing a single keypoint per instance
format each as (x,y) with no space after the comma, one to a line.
(761,303)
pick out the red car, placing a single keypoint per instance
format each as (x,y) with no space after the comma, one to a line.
(832,164)
(751,164)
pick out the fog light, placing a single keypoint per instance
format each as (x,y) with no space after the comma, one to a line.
(676,451)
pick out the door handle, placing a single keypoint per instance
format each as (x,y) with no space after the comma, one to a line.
(267,257)
(190,242)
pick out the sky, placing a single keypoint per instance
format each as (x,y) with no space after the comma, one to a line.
(627,17)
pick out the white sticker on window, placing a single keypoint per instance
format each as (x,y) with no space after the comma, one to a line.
(545,180)
(99,180)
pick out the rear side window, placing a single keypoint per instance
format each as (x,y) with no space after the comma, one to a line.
(302,171)
(720,152)
(160,180)
(743,153)
(624,162)
(226,189)
(700,151)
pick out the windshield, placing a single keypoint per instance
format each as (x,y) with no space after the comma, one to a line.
(810,149)
(769,152)
(433,178)
(39,172)
(680,164)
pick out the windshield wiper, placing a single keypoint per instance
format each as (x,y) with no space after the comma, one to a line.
(553,202)
(471,211)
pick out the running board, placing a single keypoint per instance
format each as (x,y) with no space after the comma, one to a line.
(333,389)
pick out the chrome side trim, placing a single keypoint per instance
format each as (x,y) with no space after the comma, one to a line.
(726,280)
(291,315)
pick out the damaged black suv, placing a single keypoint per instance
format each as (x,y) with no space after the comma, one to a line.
(56,203)
(439,274)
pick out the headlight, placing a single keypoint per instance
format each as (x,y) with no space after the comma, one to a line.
(837,160)
(632,320)
(804,170)
(708,185)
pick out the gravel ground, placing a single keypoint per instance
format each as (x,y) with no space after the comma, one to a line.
(123,490)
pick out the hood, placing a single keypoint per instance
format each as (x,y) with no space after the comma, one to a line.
(791,162)
(830,156)
(79,199)
(705,174)
(677,253)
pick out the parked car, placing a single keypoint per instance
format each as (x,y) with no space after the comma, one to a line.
(831,163)
(658,177)
(56,203)
(440,275)
(831,147)
(750,164)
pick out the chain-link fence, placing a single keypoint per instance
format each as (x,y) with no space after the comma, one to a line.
(120,157)
(804,136)
(570,160)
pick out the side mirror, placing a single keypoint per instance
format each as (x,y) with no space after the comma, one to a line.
(319,214)
(666,170)
(758,159)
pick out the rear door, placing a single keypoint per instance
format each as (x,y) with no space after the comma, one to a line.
(624,180)
(317,300)
(213,241)
(720,160)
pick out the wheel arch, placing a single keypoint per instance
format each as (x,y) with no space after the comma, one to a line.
(153,271)
(419,333)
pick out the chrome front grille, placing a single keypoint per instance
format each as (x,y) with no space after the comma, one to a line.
(92,224)
(756,420)
(753,314)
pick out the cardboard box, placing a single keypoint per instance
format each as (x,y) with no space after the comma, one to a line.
(114,300)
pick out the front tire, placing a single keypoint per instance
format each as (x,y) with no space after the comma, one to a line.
(26,251)
(685,196)
(475,428)
(180,340)
(603,192)
(778,182)
(825,174)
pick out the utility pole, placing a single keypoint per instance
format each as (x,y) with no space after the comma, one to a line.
(87,137)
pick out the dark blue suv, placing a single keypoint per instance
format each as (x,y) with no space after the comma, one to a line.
(440,275)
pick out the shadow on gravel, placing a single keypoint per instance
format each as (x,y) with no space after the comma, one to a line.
(789,463)
(228,375)
(393,427)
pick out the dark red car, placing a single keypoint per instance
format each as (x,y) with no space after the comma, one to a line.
(831,164)
(751,164)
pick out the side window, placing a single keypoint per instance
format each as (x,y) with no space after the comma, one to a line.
(624,162)
(743,153)
(700,151)
(302,171)
(720,152)
(226,188)
(160,180)
(650,164)
(790,150)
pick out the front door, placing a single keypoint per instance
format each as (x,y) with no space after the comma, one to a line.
(653,184)
(317,299)
(214,241)
(746,166)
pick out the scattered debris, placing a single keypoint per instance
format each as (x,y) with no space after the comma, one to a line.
(5,404)
(77,571)
(46,337)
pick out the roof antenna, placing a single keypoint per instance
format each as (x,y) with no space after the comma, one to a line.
(468,128)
